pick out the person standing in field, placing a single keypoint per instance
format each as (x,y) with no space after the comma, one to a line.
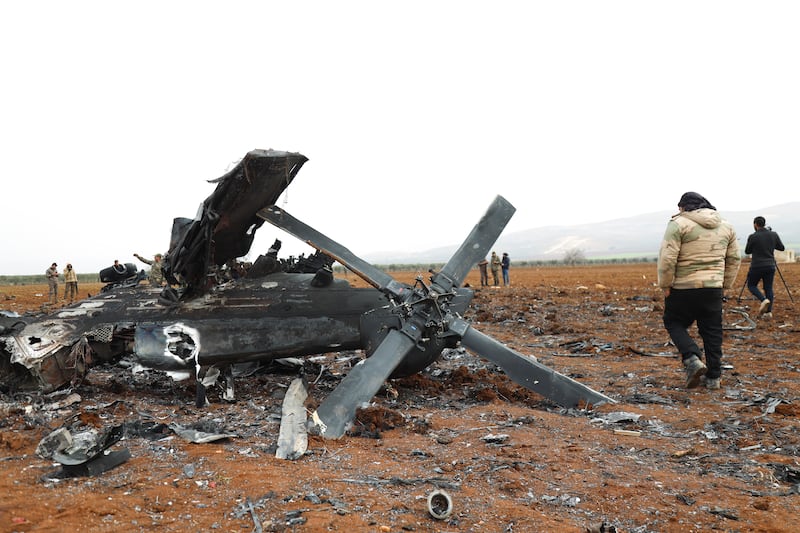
(698,260)
(52,282)
(482,266)
(505,264)
(70,284)
(762,244)
(495,266)
(156,276)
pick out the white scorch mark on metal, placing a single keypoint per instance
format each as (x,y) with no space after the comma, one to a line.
(175,334)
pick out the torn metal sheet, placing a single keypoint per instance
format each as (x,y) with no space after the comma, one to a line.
(69,400)
(200,433)
(772,403)
(57,440)
(102,463)
(226,223)
(85,453)
(744,323)
(293,437)
(86,445)
(617,417)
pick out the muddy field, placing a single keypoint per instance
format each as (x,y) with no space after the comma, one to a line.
(661,459)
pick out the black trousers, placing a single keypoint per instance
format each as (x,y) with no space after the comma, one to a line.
(682,308)
(765,275)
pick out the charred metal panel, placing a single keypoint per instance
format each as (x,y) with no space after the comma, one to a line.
(226,223)
(277,316)
(181,346)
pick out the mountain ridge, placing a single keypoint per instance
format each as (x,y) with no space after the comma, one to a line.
(636,236)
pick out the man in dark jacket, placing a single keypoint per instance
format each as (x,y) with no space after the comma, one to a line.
(761,245)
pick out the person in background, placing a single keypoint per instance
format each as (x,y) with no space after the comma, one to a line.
(698,259)
(761,245)
(482,266)
(156,276)
(70,284)
(495,266)
(52,282)
(505,264)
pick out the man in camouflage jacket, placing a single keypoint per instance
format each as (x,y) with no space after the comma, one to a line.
(52,282)
(699,258)
(156,276)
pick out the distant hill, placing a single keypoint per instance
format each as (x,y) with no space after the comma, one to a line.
(631,237)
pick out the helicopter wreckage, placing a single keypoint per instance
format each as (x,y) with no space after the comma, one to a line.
(212,315)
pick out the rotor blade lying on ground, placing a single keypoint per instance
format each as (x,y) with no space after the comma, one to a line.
(337,411)
(531,374)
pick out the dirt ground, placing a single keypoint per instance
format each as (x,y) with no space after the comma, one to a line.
(661,459)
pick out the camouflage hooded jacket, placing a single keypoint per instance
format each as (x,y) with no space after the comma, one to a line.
(699,250)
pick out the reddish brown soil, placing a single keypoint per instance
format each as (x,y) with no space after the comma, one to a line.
(695,460)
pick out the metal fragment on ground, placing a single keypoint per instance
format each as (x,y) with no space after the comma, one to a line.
(198,436)
(293,436)
(440,504)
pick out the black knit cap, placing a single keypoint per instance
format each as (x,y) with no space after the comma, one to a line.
(692,200)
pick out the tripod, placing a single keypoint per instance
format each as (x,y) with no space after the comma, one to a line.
(784,282)
(780,274)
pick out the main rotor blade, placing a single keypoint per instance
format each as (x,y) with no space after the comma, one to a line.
(477,243)
(372,275)
(531,374)
(338,410)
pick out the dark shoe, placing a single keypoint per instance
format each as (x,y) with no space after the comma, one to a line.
(713,383)
(695,370)
(763,307)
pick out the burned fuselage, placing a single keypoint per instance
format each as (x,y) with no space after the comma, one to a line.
(213,314)
(280,315)
(210,314)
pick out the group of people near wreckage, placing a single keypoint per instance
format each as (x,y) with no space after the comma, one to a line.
(497,266)
(70,283)
(155,277)
(698,260)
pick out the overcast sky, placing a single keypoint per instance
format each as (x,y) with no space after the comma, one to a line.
(413,115)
